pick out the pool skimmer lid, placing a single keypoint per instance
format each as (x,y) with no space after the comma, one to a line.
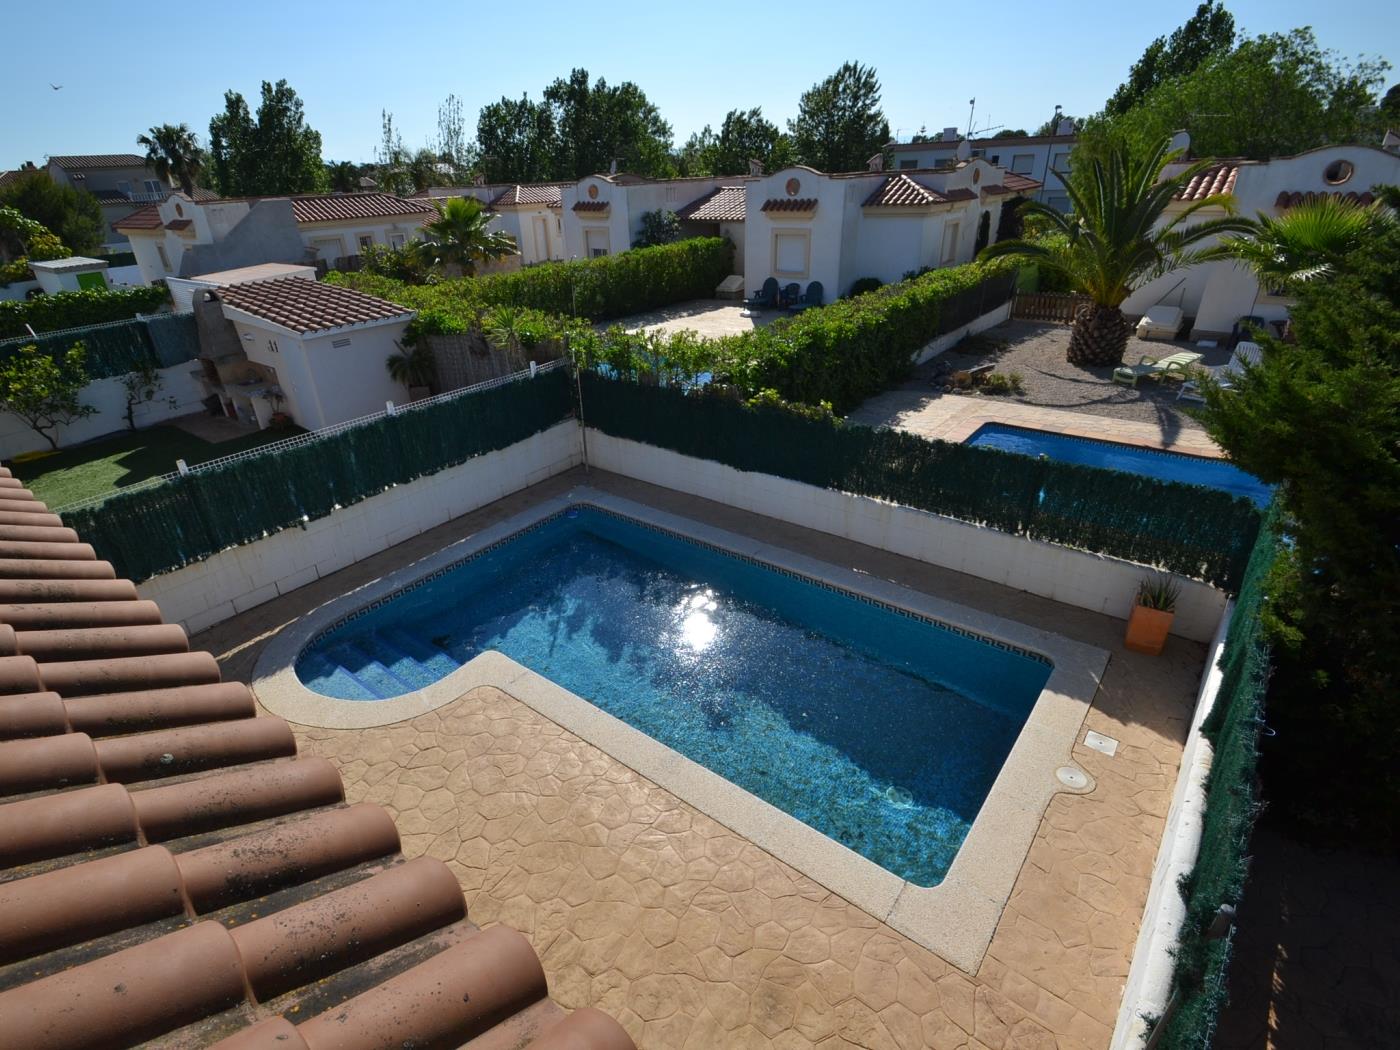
(1073,778)
(1103,744)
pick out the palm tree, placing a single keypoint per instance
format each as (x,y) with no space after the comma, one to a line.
(1305,243)
(412,366)
(344,177)
(1118,236)
(458,237)
(174,151)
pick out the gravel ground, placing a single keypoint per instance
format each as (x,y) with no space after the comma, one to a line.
(1037,352)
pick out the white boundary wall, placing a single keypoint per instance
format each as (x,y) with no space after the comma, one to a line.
(1089,581)
(232,581)
(109,398)
(946,342)
(1150,977)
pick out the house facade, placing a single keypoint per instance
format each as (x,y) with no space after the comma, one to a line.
(602,214)
(121,182)
(1036,157)
(529,212)
(184,238)
(1216,295)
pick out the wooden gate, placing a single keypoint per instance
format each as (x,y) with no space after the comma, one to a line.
(1058,307)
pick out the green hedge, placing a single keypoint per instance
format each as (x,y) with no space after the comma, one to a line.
(122,346)
(598,289)
(1187,529)
(49,313)
(165,527)
(1232,804)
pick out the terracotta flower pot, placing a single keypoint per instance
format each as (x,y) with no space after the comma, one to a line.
(1147,630)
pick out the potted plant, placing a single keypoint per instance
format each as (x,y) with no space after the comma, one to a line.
(1152,615)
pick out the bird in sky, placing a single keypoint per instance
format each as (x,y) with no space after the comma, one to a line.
(56,87)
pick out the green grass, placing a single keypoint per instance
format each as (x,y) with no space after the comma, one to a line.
(101,467)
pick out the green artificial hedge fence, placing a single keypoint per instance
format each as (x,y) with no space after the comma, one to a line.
(1187,529)
(49,313)
(598,289)
(122,346)
(189,518)
(1232,804)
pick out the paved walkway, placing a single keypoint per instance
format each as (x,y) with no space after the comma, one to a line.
(711,318)
(695,938)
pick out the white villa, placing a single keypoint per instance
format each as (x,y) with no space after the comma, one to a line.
(529,212)
(1218,294)
(1036,157)
(185,238)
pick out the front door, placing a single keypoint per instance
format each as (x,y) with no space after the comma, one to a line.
(541,239)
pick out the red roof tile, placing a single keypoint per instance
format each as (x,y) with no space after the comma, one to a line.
(173,870)
(901,191)
(591,205)
(1209,183)
(147,218)
(790,204)
(303,305)
(1293,198)
(80,161)
(548,195)
(725,204)
(337,207)
(179,224)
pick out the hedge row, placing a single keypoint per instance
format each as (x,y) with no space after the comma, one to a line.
(168,526)
(597,289)
(1187,529)
(50,313)
(1232,805)
(120,347)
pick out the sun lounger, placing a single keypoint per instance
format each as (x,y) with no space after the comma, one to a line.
(1246,353)
(1173,365)
(1160,322)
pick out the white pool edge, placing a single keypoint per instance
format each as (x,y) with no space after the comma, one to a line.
(956,919)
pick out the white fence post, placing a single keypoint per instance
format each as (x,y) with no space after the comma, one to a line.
(181,466)
(388,408)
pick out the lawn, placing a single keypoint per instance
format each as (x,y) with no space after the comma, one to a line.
(101,467)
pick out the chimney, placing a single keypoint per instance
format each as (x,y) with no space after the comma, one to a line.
(1065,126)
(876,163)
(950,134)
(755,167)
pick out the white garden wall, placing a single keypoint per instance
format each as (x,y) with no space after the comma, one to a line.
(990,319)
(109,398)
(1078,578)
(232,581)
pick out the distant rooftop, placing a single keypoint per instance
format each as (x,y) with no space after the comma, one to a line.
(83,161)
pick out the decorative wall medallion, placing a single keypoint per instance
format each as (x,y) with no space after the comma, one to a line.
(179,209)
(792,187)
(1338,172)
(976,176)
(593,193)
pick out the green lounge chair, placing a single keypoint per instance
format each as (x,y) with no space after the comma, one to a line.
(1157,367)
(766,298)
(810,298)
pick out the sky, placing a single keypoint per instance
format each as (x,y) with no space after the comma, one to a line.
(122,73)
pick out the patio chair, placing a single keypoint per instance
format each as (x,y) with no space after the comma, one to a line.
(766,298)
(810,298)
(790,294)
(1173,365)
(1246,353)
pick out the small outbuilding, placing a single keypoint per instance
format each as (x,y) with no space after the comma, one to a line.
(77,273)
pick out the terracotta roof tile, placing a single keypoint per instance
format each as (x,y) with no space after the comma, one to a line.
(81,161)
(549,195)
(147,218)
(1293,198)
(171,869)
(337,207)
(725,204)
(591,206)
(1214,180)
(179,224)
(789,204)
(304,305)
(901,191)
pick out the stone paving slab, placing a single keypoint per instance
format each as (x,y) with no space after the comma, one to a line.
(694,937)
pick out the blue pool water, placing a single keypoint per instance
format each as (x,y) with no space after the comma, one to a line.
(881,730)
(1153,463)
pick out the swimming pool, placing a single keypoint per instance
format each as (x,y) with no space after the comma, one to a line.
(1135,459)
(882,729)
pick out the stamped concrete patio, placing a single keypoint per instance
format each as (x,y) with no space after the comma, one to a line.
(710,318)
(694,937)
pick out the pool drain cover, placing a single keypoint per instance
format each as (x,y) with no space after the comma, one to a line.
(1103,744)
(1072,777)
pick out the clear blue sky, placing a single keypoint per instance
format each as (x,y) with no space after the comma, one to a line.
(124,70)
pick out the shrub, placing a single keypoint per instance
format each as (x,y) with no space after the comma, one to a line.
(1001,385)
(659,227)
(861,285)
(25,239)
(43,390)
(50,313)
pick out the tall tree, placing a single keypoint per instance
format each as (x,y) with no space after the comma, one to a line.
(840,124)
(74,216)
(174,151)
(391,157)
(600,124)
(1116,237)
(1273,95)
(344,177)
(1390,107)
(274,154)
(517,139)
(1210,31)
(452,146)
(745,135)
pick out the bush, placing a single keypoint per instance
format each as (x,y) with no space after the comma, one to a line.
(1002,385)
(659,227)
(861,285)
(51,313)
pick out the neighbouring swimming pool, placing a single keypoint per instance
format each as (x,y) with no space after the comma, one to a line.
(881,729)
(1135,459)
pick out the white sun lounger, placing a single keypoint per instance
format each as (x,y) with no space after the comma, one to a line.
(1160,322)
(1245,353)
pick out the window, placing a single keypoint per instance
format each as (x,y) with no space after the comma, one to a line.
(396,240)
(790,252)
(124,186)
(365,241)
(1061,161)
(595,241)
(979,153)
(950,243)
(905,165)
(1022,163)
(164,259)
(995,158)
(154,186)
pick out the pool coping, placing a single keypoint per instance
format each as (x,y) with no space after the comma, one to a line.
(956,919)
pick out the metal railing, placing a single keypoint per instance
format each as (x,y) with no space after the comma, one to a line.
(272,448)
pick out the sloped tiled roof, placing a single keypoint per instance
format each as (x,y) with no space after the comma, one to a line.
(304,305)
(591,205)
(549,195)
(173,870)
(901,191)
(1293,198)
(725,204)
(81,161)
(794,204)
(7,177)
(147,218)
(337,207)
(1214,180)
(179,224)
